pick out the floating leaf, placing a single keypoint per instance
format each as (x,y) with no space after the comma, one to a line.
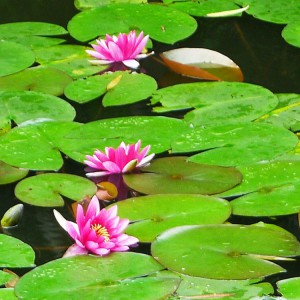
(203,94)
(35,146)
(176,175)
(23,106)
(270,189)
(9,174)
(223,251)
(14,57)
(71,59)
(46,189)
(124,92)
(87,4)
(163,24)
(291,33)
(101,278)
(111,132)
(8,294)
(289,288)
(40,79)
(151,215)
(202,63)
(32,34)
(5,277)
(14,253)
(236,145)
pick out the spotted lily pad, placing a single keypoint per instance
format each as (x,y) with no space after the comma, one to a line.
(224,251)
(101,278)
(32,34)
(9,174)
(268,189)
(46,189)
(123,91)
(236,145)
(14,57)
(154,214)
(8,294)
(163,24)
(71,59)
(25,105)
(41,79)
(14,253)
(177,175)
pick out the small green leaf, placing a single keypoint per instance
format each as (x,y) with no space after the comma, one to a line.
(291,33)
(290,288)
(46,189)
(9,174)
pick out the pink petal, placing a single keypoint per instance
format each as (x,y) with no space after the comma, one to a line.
(145,160)
(68,226)
(111,167)
(130,166)
(131,63)
(115,51)
(93,208)
(101,251)
(75,250)
(97,174)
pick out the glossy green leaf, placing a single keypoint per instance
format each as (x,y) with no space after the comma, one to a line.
(8,294)
(5,277)
(236,145)
(14,253)
(25,105)
(48,189)
(151,215)
(104,278)
(163,24)
(208,94)
(35,146)
(176,175)
(203,8)
(155,131)
(291,33)
(87,4)
(270,189)
(14,58)
(224,251)
(290,288)
(32,34)
(9,174)
(71,59)
(40,79)
(275,11)
(124,92)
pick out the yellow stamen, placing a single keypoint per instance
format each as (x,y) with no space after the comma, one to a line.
(101,230)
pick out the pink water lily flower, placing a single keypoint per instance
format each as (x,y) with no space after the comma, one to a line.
(97,231)
(124,159)
(125,48)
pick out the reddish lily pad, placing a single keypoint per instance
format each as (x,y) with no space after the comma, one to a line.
(176,175)
(202,63)
(151,215)
(224,251)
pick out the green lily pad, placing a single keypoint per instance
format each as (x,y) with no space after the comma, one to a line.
(5,277)
(101,278)
(35,146)
(286,114)
(46,189)
(163,24)
(204,288)
(9,174)
(32,34)
(275,11)
(40,79)
(87,4)
(123,92)
(23,106)
(151,215)
(14,58)
(224,251)
(268,189)
(200,9)
(291,33)
(290,288)
(71,59)
(206,94)
(236,145)
(177,175)
(8,294)
(14,253)
(158,132)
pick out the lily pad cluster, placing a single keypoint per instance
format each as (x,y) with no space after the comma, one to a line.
(234,151)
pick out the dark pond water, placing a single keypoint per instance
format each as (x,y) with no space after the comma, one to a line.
(256,46)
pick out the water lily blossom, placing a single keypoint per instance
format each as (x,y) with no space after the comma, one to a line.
(124,159)
(125,48)
(96,231)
